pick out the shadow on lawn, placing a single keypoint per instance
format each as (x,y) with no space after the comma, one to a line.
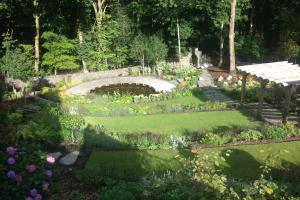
(199,95)
(243,166)
(112,158)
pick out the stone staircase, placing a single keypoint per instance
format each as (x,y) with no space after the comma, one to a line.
(211,91)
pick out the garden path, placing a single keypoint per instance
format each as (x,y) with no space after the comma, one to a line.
(270,114)
(211,91)
(157,84)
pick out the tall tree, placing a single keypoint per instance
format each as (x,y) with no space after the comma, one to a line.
(231,36)
(36,17)
(99,7)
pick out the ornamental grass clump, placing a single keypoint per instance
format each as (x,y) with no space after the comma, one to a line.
(25,173)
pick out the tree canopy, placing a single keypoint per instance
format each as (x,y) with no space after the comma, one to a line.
(99,34)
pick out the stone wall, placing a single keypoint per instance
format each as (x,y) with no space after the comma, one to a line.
(52,80)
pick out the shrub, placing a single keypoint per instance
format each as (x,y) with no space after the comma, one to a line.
(117,193)
(37,133)
(291,129)
(178,142)
(275,132)
(215,139)
(72,123)
(249,135)
(25,171)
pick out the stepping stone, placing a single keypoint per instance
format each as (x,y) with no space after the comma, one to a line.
(55,155)
(174,82)
(180,80)
(70,158)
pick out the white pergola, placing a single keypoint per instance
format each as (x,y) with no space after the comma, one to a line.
(283,73)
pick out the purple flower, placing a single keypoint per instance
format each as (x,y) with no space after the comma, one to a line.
(30,168)
(11,161)
(38,197)
(11,150)
(34,192)
(28,198)
(45,186)
(49,173)
(11,174)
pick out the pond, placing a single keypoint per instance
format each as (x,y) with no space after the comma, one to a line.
(125,89)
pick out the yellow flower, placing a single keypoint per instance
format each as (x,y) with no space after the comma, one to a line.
(269,191)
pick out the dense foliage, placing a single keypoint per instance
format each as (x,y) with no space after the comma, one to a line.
(115,35)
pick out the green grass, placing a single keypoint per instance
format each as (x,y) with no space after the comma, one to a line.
(243,163)
(173,124)
(132,164)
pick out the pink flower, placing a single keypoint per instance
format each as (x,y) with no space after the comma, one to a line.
(38,197)
(11,150)
(11,161)
(30,168)
(28,198)
(19,178)
(50,159)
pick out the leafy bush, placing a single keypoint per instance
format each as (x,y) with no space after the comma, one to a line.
(37,133)
(275,132)
(211,138)
(25,171)
(249,135)
(178,142)
(117,193)
(72,123)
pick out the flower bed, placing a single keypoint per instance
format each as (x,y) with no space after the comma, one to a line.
(25,173)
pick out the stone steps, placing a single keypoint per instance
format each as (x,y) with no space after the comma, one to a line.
(211,91)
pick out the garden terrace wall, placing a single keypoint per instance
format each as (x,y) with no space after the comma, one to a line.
(86,76)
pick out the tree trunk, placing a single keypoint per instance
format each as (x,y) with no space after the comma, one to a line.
(99,9)
(143,62)
(178,38)
(221,44)
(251,18)
(231,37)
(36,38)
(80,37)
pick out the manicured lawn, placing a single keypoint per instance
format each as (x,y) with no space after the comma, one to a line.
(243,163)
(173,124)
(132,164)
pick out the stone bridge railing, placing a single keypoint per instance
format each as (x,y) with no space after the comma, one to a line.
(157,84)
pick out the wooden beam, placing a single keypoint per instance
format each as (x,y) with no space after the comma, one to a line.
(286,109)
(243,90)
(263,84)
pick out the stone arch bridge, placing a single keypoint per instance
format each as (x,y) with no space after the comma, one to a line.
(159,85)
